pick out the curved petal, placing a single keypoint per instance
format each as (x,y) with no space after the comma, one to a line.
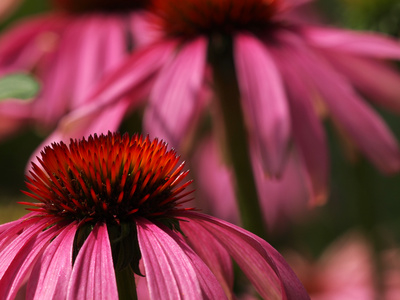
(50,275)
(368,44)
(25,44)
(263,265)
(308,131)
(171,268)
(359,120)
(212,253)
(93,275)
(263,101)
(19,257)
(383,87)
(174,101)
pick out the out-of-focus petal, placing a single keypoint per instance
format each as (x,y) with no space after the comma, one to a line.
(93,275)
(18,258)
(264,101)
(382,87)
(263,265)
(174,101)
(171,267)
(7,7)
(358,119)
(368,44)
(308,132)
(28,42)
(50,275)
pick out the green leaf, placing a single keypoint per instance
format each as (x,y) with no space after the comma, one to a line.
(19,86)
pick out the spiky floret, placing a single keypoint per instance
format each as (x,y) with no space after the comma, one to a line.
(193,17)
(107,178)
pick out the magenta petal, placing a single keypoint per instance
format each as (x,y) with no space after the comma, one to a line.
(383,88)
(93,275)
(263,100)
(307,129)
(365,126)
(263,265)
(174,101)
(212,253)
(50,275)
(171,268)
(24,251)
(369,44)
(24,45)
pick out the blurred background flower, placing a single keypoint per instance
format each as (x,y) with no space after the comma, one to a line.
(359,196)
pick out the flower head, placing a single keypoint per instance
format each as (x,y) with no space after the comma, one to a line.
(194,17)
(69,50)
(110,208)
(289,75)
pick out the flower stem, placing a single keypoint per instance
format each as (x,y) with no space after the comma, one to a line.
(228,95)
(126,284)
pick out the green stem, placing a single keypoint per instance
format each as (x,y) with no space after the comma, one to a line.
(126,284)
(228,94)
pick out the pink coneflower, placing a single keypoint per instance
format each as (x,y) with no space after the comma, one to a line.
(347,270)
(69,50)
(109,209)
(289,75)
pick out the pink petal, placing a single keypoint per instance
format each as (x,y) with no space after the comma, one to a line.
(368,44)
(25,44)
(22,255)
(263,100)
(50,275)
(93,275)
(307,129)
(174,101)
(263,265)
(212,253)
(172,270)
(383,88)
(364,126)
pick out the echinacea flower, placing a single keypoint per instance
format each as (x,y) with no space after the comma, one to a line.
(69,50)
(110,209)
(289,76)
(347,270)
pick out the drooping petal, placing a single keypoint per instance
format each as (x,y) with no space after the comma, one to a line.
(264,266)
(50,276)
(355,116)
(23,46)
(307,129)
(263,100)
(171,268)
(383,87)
(22,255)
(174,101)
(212,253)
(93,275)
(368,44)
